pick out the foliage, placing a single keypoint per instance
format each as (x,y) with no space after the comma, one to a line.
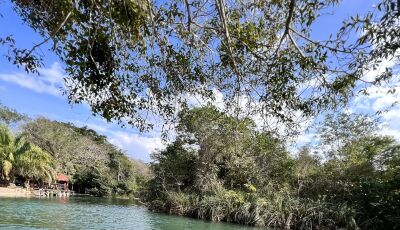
(35,165)
(67,144)
(9,116)
(10,148)
(208,173)
(379,39)
(361,174)
(338,130)
(93,181)
(91,162)
(175,167)
(46,148)
(229,148)
(21,158)
(130,59)
(281,211)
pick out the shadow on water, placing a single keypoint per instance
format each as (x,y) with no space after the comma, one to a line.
(85,212)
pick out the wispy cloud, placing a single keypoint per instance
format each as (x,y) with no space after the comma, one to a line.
(136,145)
(49,81)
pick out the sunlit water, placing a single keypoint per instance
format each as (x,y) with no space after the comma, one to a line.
(93,213)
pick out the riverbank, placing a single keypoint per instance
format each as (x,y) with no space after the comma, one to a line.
(88,212)
(15,192)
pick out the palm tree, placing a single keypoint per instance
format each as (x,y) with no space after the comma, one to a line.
(9,148)
(35,164)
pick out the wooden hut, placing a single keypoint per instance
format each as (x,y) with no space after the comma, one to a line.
(62,182)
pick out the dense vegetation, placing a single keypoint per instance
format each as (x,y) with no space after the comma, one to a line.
(20,158)
(224,169)
(46,148)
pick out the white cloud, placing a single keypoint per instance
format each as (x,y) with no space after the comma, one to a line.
(49,80)
(136,145)
(378,98)
(391,123)
(373,73)
(305,139)
(198,100)
(96,127)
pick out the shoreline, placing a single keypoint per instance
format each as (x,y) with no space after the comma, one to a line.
(17,192)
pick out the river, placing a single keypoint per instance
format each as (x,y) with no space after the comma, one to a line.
(93,213)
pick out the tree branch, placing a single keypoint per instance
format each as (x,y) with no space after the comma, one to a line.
(221,11)
(295,44)
(321,45)
(152,21)
(51,35)
(189,19)
(287,25)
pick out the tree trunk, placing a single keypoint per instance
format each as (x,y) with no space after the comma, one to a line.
(27,184)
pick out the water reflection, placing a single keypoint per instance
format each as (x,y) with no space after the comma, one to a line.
(92,213)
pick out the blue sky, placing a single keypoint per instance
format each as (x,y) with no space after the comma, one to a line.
(40,95)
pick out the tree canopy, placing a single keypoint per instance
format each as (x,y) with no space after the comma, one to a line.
(92,163)
(9,116)
(18,157)
(40,149)
(130,60)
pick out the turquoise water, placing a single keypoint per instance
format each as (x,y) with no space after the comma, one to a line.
(93,213)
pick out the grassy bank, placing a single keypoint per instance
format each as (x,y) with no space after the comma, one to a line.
(277,211)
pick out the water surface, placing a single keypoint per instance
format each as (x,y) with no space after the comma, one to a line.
(93,213)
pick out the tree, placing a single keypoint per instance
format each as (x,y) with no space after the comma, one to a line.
(174,168)
(131,59)
(222,143)
(341,129)
(123,171)
(306,166)
(224,168)
(91,162)
(95,181)
(10,147)
(274,166)
(357,171)
(9,116)
(215,150)
(71,147)
(35,164)
(379,39)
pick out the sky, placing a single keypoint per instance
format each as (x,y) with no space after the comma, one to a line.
(41,96)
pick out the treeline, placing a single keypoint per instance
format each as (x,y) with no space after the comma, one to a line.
(224,169)
(42,149)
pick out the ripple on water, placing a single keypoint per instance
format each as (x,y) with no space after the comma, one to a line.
(92,213)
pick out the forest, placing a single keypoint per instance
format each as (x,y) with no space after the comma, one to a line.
(229,83)
(40,149)
(223,169)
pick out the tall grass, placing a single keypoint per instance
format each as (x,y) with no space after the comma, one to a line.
(279,210)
